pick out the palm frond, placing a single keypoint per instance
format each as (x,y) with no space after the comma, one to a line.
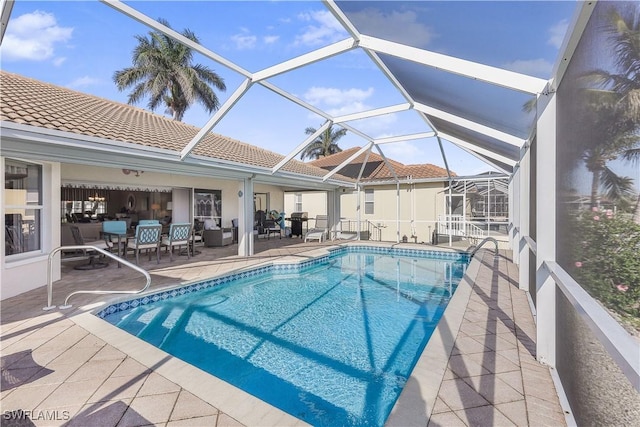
(632,155)
(163,71)
(617,187)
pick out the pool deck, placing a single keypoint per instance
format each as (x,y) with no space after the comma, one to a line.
(67,367)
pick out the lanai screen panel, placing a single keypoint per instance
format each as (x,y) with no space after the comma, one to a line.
(483,141)
(503,166)
(597,243)
(484,103)
(521,36)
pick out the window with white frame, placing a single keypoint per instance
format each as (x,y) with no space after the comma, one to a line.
(22,207)
(368,201)
(298,202)
(207,205)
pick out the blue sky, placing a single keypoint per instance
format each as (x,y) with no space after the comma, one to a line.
(80,44)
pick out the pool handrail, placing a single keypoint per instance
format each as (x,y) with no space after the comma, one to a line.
(485,240)
(93,248)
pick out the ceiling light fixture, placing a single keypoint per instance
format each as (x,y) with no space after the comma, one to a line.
(132,171)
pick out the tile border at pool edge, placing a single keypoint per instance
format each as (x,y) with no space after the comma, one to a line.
(417,399)
(280,264)
(238,404)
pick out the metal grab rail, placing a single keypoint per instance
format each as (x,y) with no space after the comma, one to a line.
(485,240)
(102,251)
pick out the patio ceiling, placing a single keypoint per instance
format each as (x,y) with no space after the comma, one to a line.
(459,91)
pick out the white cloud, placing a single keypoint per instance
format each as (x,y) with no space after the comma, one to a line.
(334,97)
(401,27)
(33,37)
(244,40)
(531,67)
(59,61)
(339,102)
(351,107)
(270,39)
(83,82)
(411,153)
(323,29)
(557,33)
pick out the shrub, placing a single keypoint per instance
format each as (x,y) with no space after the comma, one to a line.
(606,261)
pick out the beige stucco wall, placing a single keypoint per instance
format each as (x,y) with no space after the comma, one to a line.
(421,203)
(313,202)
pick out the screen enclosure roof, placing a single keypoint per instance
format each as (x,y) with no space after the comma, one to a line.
(468,73)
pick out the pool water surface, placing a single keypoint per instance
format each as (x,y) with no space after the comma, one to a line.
(332,342)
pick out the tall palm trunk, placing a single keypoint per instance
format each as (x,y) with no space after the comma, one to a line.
(595,185)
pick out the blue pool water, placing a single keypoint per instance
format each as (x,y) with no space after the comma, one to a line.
(331,342)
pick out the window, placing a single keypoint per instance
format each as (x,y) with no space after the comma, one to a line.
(207,205)
(83,204)
(368,201)
(23,207)
(298,202)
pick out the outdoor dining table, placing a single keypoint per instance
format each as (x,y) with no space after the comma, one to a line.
(121,248)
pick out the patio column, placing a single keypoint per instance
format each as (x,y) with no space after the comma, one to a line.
(523,228)
(514,213)
(333,211)
(397,212)
(245,217)
(546,229)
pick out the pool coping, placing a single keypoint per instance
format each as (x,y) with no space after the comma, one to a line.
(417,400)
(413,407)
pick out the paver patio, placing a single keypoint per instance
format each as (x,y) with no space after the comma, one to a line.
(61,373)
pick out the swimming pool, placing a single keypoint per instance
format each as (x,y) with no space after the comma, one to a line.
(330,341)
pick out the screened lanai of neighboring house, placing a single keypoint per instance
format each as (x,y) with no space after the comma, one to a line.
(535,105)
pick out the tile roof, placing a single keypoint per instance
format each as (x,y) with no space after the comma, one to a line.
(378,169)
(36,103)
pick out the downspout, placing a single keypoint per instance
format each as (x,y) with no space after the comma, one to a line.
(464,209)
(450,213)
(358,212)
(412,190)
(397,212)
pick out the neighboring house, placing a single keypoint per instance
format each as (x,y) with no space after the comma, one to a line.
(389,211)
(68,156)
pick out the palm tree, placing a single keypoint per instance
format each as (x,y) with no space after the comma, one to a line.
(163,70)
(324,145)
(633,156)
(623,88)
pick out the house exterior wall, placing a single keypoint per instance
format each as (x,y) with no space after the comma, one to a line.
(275,196)
(313,202)
(421,202)
(25,272)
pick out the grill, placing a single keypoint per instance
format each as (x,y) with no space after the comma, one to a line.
(297,219)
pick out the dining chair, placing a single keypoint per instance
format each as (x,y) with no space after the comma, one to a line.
(147,237)
(179,235)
